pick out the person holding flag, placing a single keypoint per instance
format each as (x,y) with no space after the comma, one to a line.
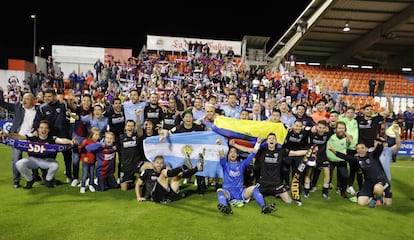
(233,192)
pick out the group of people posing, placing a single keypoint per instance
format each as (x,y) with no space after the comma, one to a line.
(101,134)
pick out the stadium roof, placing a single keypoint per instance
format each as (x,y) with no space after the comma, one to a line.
(381,34)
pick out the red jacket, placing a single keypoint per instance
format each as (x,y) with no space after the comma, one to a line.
(85,156)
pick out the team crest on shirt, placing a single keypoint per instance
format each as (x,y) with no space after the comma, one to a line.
(187,149)
(367,161)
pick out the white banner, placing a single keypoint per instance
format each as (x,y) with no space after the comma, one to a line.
(180,44)
(77,54)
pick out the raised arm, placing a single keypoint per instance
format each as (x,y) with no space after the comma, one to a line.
(221,150)
(232,143)
(6,105)
(390,107)
(138,126)
(398,141)
(242,148)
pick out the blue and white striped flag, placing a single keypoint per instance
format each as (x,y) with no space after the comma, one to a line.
(174,148)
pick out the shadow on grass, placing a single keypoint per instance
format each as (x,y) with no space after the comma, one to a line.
(206,205)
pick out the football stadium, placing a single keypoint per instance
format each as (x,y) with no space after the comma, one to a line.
(310,136)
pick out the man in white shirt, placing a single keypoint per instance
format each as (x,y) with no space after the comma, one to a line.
(132,105)
(24,115)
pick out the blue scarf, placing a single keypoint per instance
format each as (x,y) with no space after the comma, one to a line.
(34,147)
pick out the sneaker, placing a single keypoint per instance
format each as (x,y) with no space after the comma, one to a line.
(74,183)
(91,188)
(306,195)
(338,190)
(379,202)
(82,190)
(268,208)
(185,181)
(372,203)
(50,184)
(236,203)
(68,180)
(233,202)
(86,183)
(351,190)
(240,204)
(224,209)
(314,189)
(353,199)
(200,162)
(181,195)
(326,196)
(299,203)
(187,161)
(29,184)
(16,185)
(165,201)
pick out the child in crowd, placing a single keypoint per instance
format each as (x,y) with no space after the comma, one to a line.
(88,159)
(105,153)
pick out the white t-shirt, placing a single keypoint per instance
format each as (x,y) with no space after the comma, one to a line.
(27,124)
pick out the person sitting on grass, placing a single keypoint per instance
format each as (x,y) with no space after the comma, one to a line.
(376,184)
(161,183)
(269,162)
(233,191)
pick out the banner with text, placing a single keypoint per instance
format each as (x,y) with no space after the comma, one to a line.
(180,44)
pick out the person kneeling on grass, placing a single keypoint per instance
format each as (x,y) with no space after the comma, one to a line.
(40,160)
(161,183)
(233,191)
(376,183)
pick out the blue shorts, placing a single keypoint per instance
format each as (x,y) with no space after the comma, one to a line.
(236,194)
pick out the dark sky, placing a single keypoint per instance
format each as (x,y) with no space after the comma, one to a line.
(114,25)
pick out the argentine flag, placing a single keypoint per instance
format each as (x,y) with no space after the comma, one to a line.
(175,146)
